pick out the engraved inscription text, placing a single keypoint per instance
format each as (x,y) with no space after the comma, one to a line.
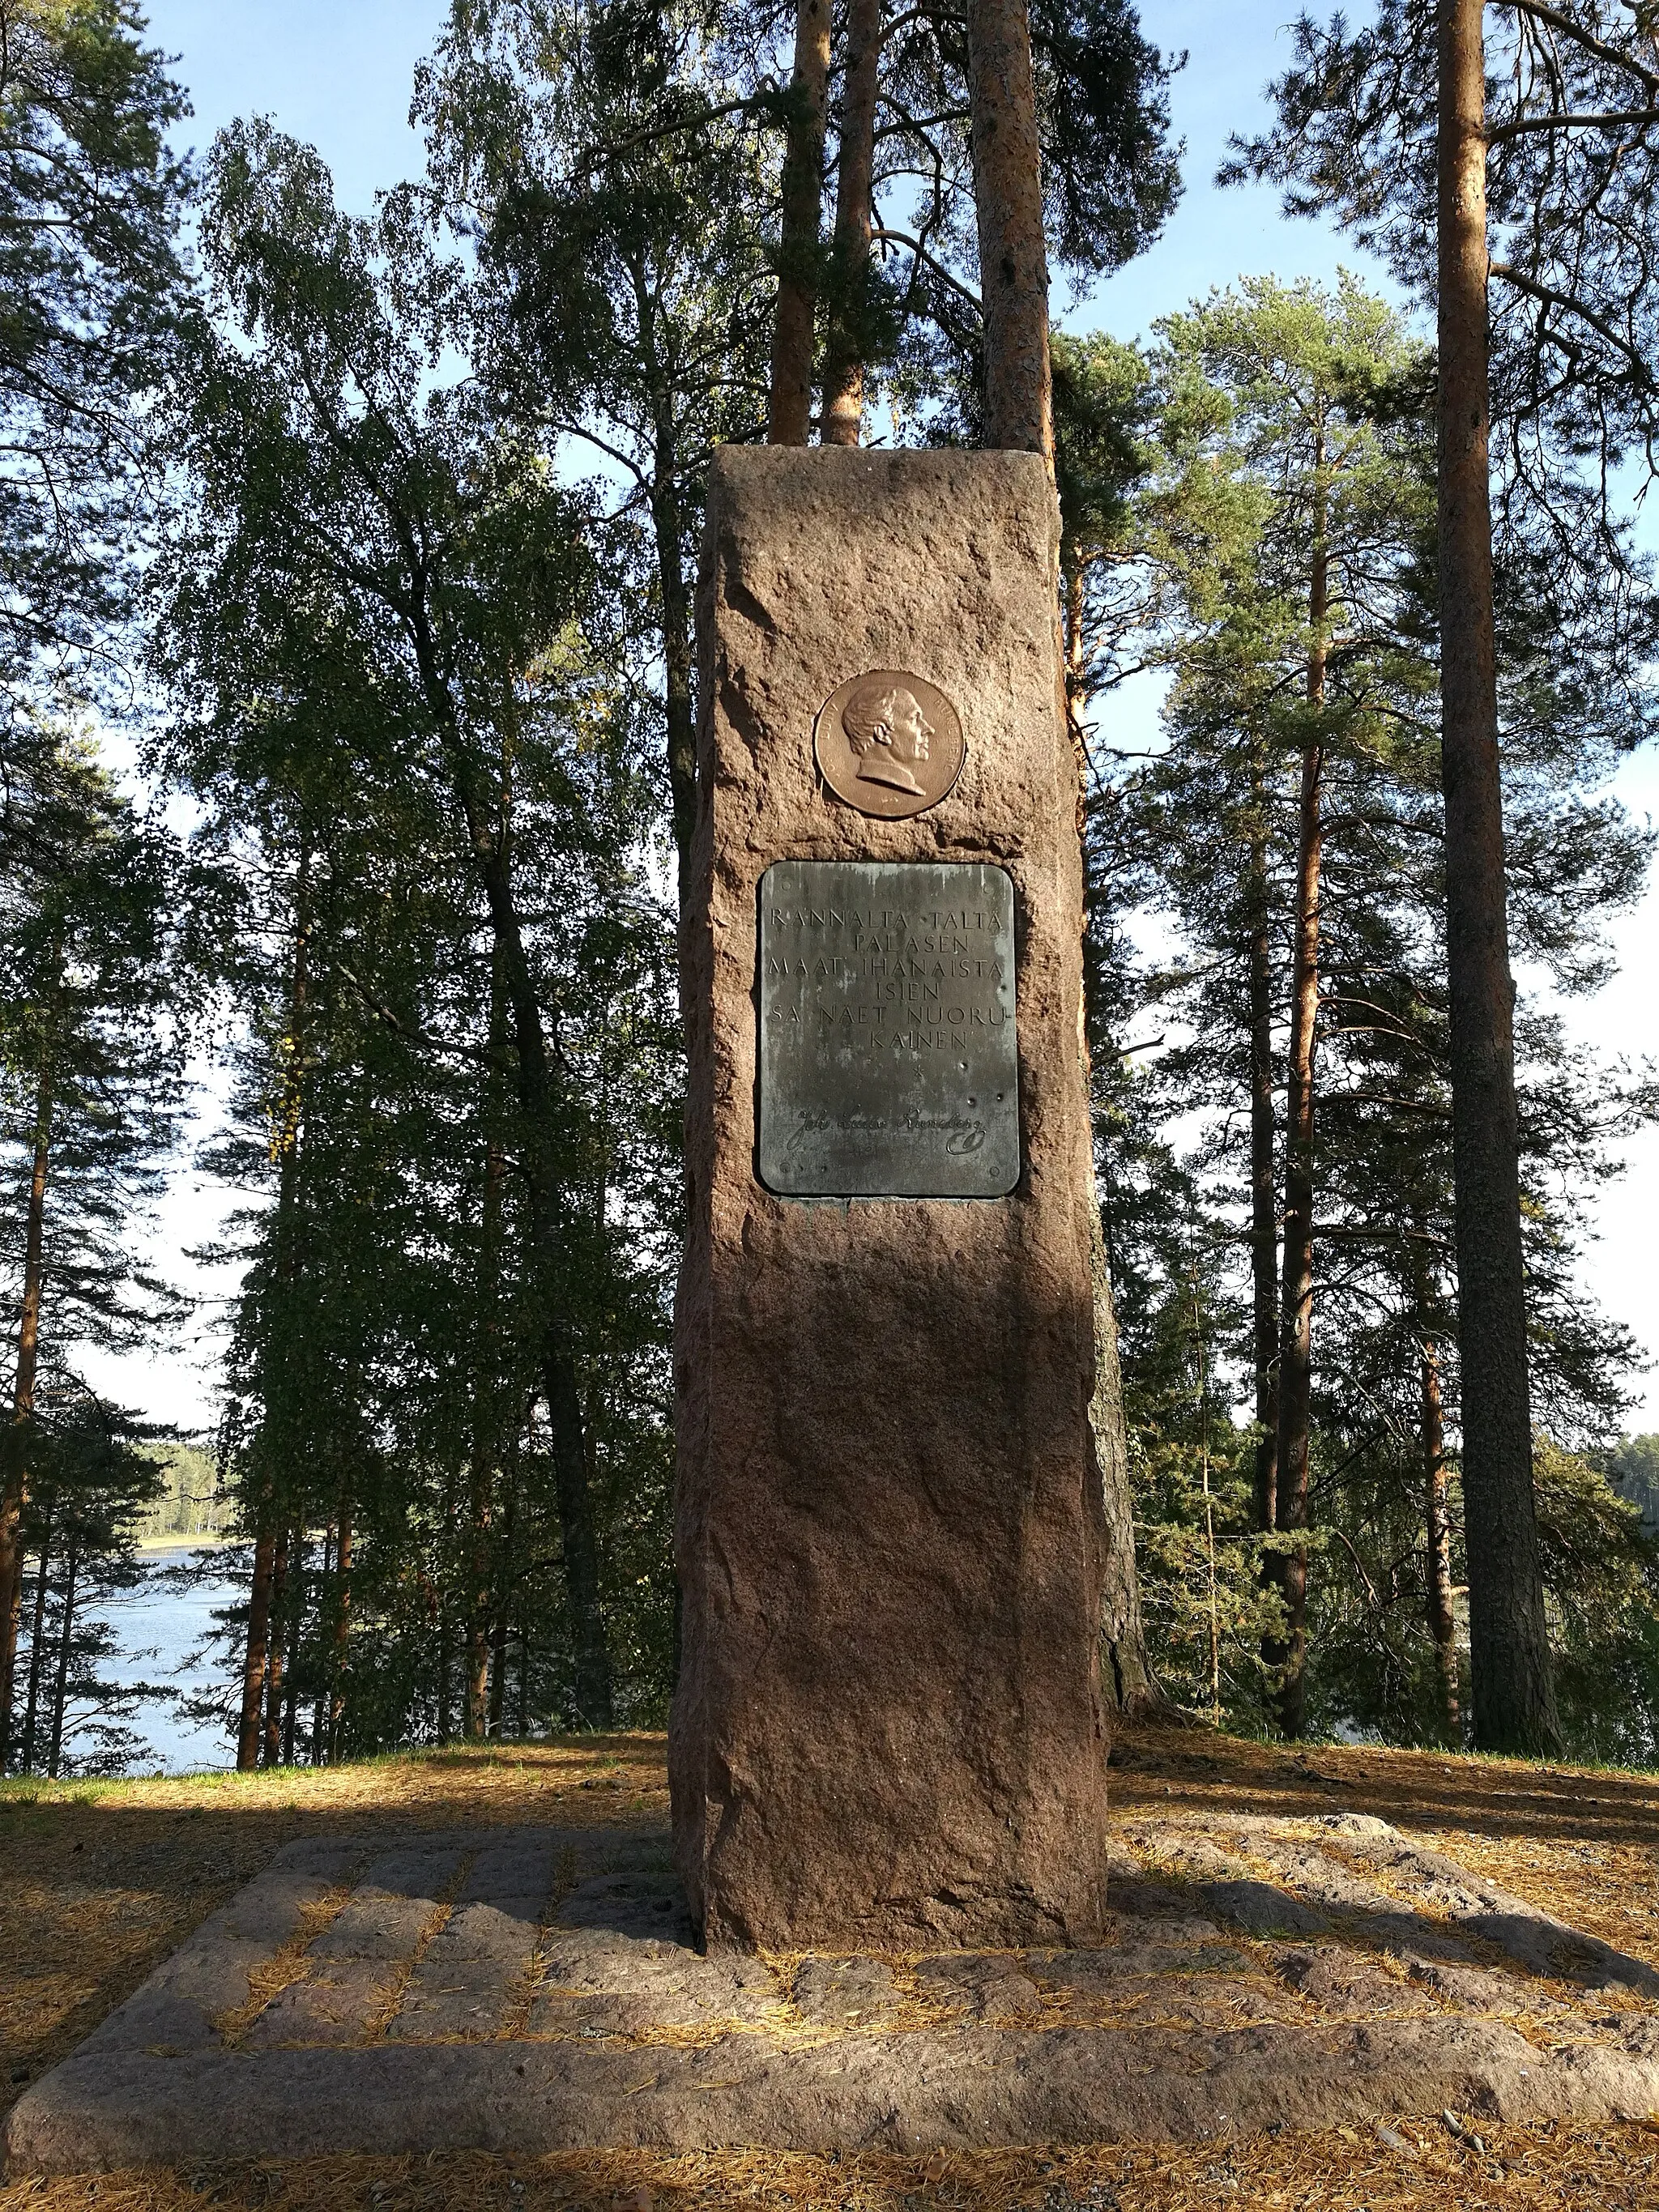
(888,1055)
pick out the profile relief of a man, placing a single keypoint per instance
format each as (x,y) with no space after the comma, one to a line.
(889,734)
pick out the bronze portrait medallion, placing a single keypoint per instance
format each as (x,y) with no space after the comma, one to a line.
(889,743)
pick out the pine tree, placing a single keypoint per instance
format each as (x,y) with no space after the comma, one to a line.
(90,293)
(1390,128)
(92,1042)
(1220,535)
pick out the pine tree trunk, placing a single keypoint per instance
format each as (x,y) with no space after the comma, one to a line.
(258,1652)
(37,1650)
(13,1474)
(1126,1674)
(498,1675)
(326,1574)
(341,1626)
(272,1751)
(1013,257)
(475,1719)
(492,853)
(1264,1192)
(1297,1277)
(1513,1700)
(843,357)
(486,1397)
(1127,1680)
(295,1627)
(262,1660)
(60,1686)
(438,1609)
(581,1556)
(1019,417)
(506,1576)
(790,411)
(1442,1621)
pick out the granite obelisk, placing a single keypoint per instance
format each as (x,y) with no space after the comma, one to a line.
(888,1728)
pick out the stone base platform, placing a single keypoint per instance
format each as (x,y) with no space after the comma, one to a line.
(535,1990)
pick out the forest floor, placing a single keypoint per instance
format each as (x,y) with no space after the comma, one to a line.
(99,1882)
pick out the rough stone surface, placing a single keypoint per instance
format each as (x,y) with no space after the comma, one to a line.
(580,2016)
(888,1729)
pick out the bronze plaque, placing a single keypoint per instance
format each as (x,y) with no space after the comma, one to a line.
(889,743)
(889,1062)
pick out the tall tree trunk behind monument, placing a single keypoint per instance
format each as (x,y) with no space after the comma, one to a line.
(506,1573)
(272,1750)
(1013,255)
(14,1475)
(1514,1701)
(1442,1625)
(1296,1278)
(65,1653)
(1019,417)
(1128,1679)
(256,1651)
(1264,1192)
(37,1648)
(581,1565)
(492,853)
(561,1390)
(1127,1676)
(260,1656)
(790,416)
(486,1385)
(296,1614)
(480,1492)
(843,355)
(336,1705)
(440,1612)
(325,1573)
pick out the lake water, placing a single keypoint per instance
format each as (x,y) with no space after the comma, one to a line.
(160,1626)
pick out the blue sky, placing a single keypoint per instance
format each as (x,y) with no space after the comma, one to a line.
(339,76)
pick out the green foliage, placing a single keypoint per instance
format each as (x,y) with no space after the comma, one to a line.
(89,1486)
(1110,180)
(456,1115)
(420,631)
(90,289)
(1572,163)
(1198,1550)
(93,963)
(190,1502)
(1601,1576)
(1631,1465)
(1197,480)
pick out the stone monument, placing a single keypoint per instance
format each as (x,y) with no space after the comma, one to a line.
(888,1731)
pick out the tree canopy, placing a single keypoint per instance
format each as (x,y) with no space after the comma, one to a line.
(372,540)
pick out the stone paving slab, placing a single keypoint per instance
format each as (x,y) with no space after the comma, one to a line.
(537,1990)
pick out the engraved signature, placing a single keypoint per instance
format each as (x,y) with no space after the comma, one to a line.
(962,1138)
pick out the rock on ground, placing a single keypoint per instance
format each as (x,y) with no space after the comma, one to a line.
(536,1990)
